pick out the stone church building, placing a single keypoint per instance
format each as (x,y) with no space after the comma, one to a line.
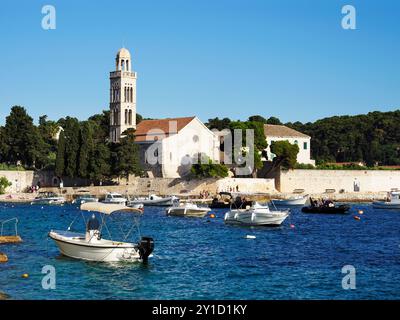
(168,147)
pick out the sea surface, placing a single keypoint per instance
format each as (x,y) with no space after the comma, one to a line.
(206,259)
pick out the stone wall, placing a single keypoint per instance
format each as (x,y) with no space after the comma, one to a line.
(20,180)
(318,181)
(168,186)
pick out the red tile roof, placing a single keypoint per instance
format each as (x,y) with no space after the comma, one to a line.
(150,130)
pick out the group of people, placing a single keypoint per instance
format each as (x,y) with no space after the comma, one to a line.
(204,194)
(33,189)
(321,203)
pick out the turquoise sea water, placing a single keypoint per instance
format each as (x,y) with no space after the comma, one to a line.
(206,259)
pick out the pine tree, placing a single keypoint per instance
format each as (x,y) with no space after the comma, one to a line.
(60,159)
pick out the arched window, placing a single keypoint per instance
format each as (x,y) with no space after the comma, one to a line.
(131,94)
(126,116)
(123,65)
(127,65)
(130,117)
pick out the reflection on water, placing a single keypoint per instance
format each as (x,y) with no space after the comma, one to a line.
(206,259)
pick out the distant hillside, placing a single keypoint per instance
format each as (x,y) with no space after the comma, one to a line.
(373,138)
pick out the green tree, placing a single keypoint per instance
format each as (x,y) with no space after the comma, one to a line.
(72,145)
(3,146)
(273,120)
(22,138)
(205,168)
(127,157)
(60,159)
(285,154)
(99,163)
(4,184)
(258,118)
(86,148)
(219,124)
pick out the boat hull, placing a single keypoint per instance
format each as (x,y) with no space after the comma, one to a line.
(343,209)
(48,201)
(290,202)
(158,202)
(385,205)
(187,212)
(251,218)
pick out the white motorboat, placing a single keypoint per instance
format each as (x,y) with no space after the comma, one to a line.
(187,209)
(115,198)
(256,215)
(154,200)
(48,198)
(91,246)
(85,198)
(292,201)
(392,203)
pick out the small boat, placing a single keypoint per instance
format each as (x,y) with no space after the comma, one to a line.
(48,198)
(116,198)
(326,207)
(91,246)
(292,201)
(256,215)
(139,206)
(187,209)
(154,200)
(85,198)
(393,201)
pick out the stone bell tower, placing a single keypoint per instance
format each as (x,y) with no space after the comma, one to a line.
(122,96)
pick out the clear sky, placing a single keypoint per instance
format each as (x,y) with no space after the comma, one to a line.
(225,58)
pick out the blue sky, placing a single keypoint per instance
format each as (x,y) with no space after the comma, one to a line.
(289,59)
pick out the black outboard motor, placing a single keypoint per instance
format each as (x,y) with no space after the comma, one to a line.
(146,247)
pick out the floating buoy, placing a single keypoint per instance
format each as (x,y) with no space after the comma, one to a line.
(357,218)
(212,215)
(292,226)
(250,237)
(25,275)
(360,211)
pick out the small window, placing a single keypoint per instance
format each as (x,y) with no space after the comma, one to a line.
(305,145)
(296,142)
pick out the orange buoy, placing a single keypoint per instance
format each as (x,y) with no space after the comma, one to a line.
(357,218)
(212,215)
(360,211)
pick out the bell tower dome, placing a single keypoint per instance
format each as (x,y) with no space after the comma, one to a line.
(122,96)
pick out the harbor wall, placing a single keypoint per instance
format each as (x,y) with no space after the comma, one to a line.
(338,181)
(169,186)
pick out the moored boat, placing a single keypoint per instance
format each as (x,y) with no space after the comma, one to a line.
(91,246)
(154,200)
(393,201)
(114,198)
(187,210)
(85,198)
(326,207)
(256,215)
(292,201)
(48,198)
